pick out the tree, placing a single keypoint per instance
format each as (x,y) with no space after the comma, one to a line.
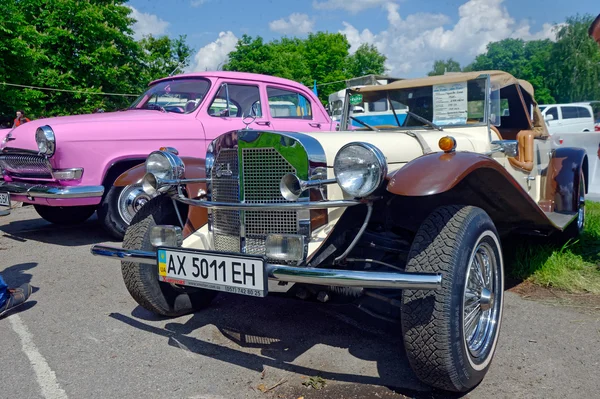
(322,56)
(442,66)
(80,46)
(575,62)
(67,44)
(366,60)
(163,56)
(524,60)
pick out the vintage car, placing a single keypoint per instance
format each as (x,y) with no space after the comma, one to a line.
(405,220)
(66,166)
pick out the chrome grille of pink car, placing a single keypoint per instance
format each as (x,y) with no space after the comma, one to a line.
(25,165)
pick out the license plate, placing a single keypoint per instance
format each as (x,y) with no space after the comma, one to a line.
(244,275)
(5,199)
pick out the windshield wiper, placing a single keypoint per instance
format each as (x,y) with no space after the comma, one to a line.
(365,124)
(425,121)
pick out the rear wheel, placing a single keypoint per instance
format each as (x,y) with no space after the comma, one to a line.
(450,335)
(142,281)
(576,227)
(65,215)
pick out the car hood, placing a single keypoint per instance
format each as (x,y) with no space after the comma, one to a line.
(399,147)
(81,126)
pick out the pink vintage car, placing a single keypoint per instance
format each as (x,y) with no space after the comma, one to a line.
(66,166)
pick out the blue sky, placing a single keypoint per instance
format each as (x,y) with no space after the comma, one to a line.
(411,33)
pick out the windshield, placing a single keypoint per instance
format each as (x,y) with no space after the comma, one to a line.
(455,104)
(178,95)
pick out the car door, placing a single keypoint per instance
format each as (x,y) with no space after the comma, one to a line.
(231,103)
(552,116)
(290,110)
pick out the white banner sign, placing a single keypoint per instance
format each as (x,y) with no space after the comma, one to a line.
(450,104)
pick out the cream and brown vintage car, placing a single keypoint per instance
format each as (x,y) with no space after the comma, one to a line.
(404,219)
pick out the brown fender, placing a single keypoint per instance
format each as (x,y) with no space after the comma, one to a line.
(194,168)
(439,172)
(562,179)
(469,179)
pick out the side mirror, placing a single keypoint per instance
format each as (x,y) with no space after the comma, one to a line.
(510,148)
(549,117)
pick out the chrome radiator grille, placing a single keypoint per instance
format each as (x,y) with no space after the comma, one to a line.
(261,171)
(24,165)
(226,223)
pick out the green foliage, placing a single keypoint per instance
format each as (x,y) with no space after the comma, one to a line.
(367,60)
(162,56)
(442,66)
(322,56)
(525,60)
(565,71)
(76,45)
(576,62)
(572,266)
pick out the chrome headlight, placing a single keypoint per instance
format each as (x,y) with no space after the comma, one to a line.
(164,165)
(46,142)
(359,169)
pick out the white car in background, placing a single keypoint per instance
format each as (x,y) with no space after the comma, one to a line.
(568,118)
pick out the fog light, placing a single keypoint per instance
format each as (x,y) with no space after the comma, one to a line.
(166,236)
(68,174)
(286,247)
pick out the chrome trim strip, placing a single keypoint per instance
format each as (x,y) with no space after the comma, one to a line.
(292,274)
(285,206)
(42,191)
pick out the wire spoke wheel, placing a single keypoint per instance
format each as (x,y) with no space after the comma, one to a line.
(480,308)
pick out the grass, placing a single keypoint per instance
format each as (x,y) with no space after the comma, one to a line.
(573,266)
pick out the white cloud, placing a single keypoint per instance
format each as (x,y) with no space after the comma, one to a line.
(414,42)
(147,24)
(213,55)
(294,24)
(198,3)
(353,6)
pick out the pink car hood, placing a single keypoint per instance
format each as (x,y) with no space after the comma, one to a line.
(102,126)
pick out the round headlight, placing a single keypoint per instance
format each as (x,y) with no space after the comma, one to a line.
(164,165)
(46,142)
(359,168)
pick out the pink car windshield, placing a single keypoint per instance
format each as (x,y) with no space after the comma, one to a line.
(178,95)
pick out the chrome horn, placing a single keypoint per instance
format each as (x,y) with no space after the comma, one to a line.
(292,187)
(152,184)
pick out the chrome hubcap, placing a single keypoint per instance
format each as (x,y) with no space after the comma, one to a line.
(132,198)
(581,211)
(481,310)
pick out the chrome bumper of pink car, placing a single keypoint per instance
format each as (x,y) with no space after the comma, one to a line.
(306,275)
(55,192)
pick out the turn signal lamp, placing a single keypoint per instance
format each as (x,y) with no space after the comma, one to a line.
(447,144)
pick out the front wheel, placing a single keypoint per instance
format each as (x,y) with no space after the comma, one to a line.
(142,281)
(65,215)
(119,207)
(450,335)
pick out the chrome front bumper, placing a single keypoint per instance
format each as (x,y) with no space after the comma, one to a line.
(291,274)
(54,192)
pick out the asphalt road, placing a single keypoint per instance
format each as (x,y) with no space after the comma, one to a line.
(82,336)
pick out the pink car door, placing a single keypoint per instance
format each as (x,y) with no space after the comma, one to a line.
(291,110)
(227,109)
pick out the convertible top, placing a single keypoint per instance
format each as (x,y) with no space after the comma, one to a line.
(499,80)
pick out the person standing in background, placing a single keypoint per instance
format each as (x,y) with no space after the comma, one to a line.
(20,119)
